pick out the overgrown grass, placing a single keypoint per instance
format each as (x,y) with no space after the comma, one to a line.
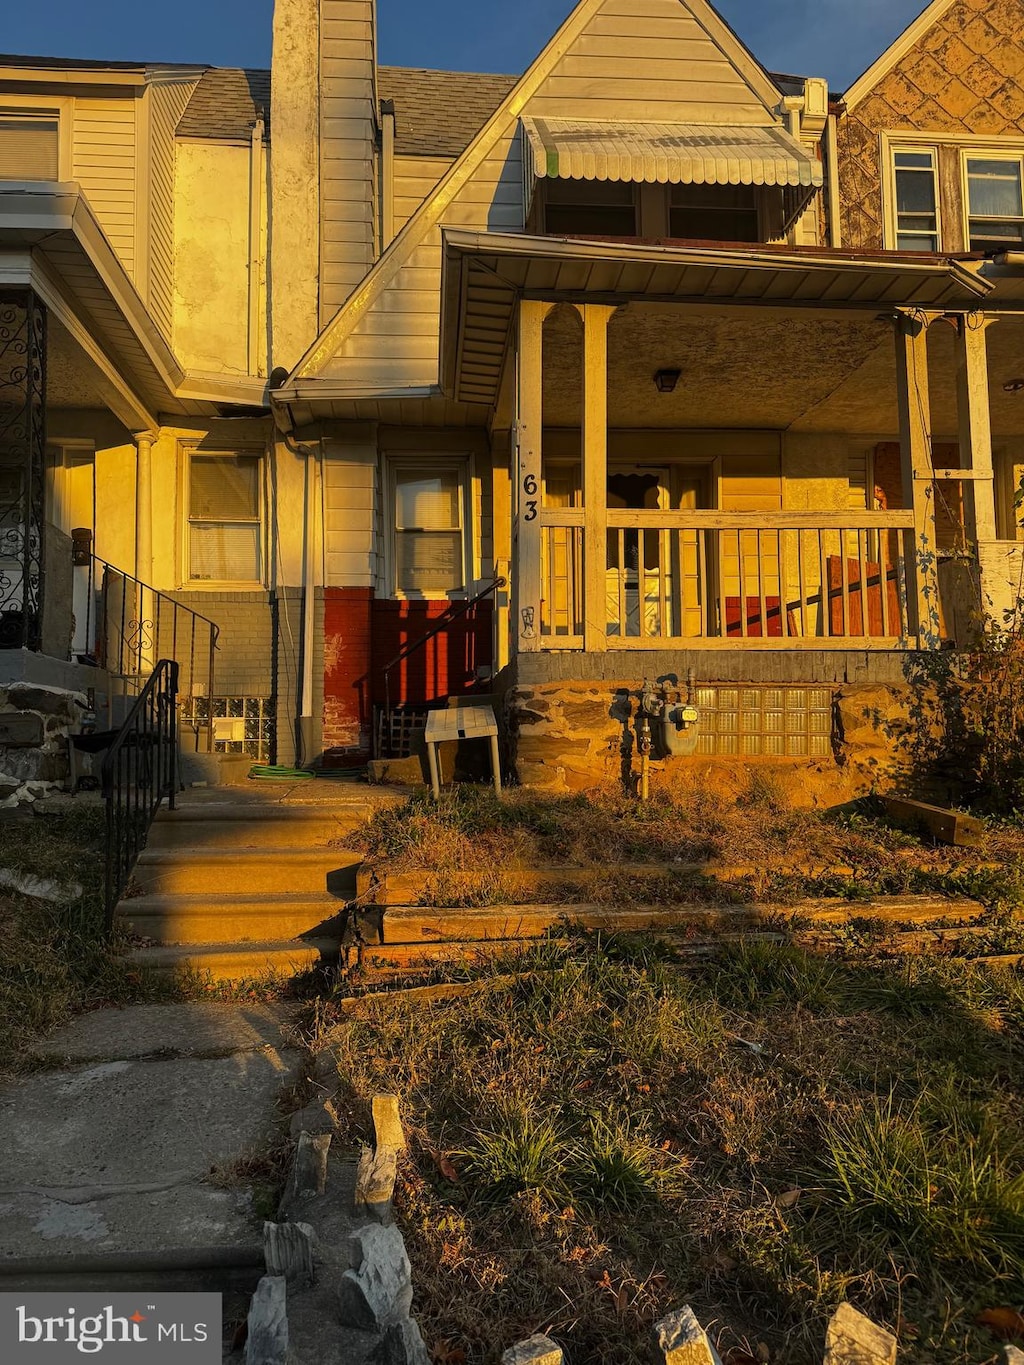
(55,959)
(763,1135)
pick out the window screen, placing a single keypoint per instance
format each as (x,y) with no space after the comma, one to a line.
(28,148)
(225,532)
(428,531)
(995,203)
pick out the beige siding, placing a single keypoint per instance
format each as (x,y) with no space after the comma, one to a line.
(350,514)
(348,132)
(167,104)
(648,59)
(415,179)
(397,341)
(104,164)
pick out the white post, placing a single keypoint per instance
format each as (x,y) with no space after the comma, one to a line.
(596,318)
(530,473)
(144,505)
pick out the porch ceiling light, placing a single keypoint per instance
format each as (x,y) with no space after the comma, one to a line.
(665,381)
(1013,386)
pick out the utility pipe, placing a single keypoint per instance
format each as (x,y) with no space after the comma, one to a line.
(310,584)
(256,192)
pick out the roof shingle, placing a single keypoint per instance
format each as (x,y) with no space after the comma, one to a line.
(225,105)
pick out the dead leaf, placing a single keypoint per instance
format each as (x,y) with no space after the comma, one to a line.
(789,1200)
(443,1165)
(621,1300)
(1006,1323)
(444,1353)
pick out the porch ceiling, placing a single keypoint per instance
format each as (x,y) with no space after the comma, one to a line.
(485,273)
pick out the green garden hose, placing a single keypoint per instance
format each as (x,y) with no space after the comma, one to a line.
(263,773)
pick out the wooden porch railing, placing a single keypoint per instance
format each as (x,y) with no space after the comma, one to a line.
(722,579)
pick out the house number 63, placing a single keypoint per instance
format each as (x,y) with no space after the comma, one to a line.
(530,489)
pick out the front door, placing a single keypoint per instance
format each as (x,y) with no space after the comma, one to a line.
(73,508)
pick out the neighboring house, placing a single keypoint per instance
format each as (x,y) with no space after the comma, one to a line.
(328,356)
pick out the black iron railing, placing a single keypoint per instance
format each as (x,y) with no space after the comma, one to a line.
(140,772)
(438,628)
(22,467)
(128,626)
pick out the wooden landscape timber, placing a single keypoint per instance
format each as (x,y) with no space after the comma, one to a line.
(947,826)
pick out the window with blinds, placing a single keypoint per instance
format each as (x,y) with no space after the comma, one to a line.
(29,148)
(429,530)
(225,526)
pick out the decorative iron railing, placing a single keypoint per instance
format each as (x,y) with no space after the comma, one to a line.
(139,773)
(22,467)
(770,579)
(129,626)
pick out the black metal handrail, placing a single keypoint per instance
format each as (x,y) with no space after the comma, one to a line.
(140,772)
(130,625)
(438,628)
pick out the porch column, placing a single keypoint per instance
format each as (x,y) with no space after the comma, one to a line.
(918,474)
(530,469)
(596,317)
(975,427)
(144,506)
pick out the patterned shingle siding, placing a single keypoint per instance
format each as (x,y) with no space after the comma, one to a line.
(964,76)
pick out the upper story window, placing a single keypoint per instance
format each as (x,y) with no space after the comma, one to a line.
(917,199)
(225,518)
(590,208)
(429,529)
(714,213)
(995,202)
(29,146)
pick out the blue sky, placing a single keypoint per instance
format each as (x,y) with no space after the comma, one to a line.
(831,38)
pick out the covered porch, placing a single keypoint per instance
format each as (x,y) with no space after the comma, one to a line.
(727,450)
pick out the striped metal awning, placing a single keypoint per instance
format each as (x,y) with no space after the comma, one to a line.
(668,153)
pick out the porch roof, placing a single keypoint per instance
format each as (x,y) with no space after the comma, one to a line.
(484,275)
(50,240)
(672,153)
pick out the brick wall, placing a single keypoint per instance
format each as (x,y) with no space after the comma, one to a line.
(964,76)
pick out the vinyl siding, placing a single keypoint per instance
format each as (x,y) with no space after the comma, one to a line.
(351,530)
(348,133)
(416,177)
(167,104)
(104,164)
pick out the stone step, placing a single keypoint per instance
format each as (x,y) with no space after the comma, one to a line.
(288,871)
(238,826)
(227,919)
(225,962)
(416,924)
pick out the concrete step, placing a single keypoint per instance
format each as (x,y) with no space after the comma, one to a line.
(249,871)
(230,919)
(241,961)
(237,826)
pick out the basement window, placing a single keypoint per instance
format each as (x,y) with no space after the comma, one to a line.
(29,147)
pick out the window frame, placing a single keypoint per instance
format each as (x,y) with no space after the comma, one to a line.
(421,463)
(44,109)
(892,215)
(546,205)
(988,152)
(187,581)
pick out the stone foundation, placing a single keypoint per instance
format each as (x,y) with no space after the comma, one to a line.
(822,745)
(35,722)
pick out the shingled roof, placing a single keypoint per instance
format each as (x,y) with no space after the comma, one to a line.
(438,113)
(225,104)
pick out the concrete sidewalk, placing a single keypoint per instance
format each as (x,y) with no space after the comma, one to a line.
(114,1153)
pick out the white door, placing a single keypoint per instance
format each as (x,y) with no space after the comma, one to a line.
(73,492)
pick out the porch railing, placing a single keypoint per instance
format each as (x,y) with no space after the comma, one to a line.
(760,579)
(128,626)
(139,773)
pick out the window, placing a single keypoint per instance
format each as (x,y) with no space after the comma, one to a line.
(225,538)
(917,203)
(995,205)
(590,208)
(429,530)
(29,147)
(714,213)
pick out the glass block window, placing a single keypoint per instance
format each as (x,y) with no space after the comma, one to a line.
(241,725)
(765,722)
(225,526)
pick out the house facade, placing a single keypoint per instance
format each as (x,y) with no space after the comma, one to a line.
(358,388)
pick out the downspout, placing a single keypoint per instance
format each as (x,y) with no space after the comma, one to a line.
(256,311)
(387,174)
(307,721)
(835,227)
